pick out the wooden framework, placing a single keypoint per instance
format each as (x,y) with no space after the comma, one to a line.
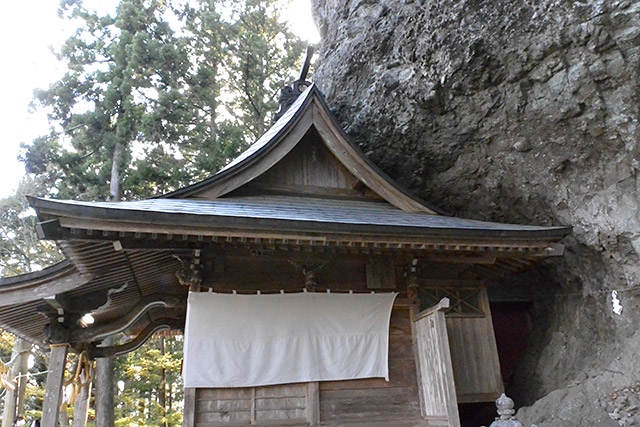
(301,209)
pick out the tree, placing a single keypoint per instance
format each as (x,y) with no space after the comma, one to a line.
(262,51)
(117,68)
(145,399)
(20,249)
(146,111)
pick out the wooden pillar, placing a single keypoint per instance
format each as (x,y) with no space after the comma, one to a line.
(104,389)
(55,377)
(13,398)
(22,364)
(189,412)
(81,407)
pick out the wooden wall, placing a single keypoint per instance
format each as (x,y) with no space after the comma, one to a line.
(287,404)
(375,401)
(310,168)
(474,354)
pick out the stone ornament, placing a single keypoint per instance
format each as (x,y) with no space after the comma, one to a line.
(506,413)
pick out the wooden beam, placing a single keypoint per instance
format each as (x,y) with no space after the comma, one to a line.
(14,399)
(134,344)
(105,390)
(54,280)
(189,415)
(98,332)
(440,306)
(313,403)
(55,377)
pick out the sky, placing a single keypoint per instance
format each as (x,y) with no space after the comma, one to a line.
(29,29)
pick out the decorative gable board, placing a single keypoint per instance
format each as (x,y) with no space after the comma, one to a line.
(308,118)
(308,169)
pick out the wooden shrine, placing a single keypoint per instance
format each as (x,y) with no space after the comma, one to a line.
(301,209)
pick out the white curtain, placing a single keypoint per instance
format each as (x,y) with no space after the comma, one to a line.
(253,340)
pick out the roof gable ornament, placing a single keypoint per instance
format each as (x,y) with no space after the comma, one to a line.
(289,94)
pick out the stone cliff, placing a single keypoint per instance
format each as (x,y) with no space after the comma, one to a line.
(519,111)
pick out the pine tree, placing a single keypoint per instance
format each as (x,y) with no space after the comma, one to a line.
(117,68)
(262,51)
(20,249)
(142,111)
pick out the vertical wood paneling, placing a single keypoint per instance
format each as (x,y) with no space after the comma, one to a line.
(436,375)
(270,405)
(374,399)
(474,355)
(310,166)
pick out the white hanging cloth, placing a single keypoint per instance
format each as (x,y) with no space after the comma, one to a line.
(255,340)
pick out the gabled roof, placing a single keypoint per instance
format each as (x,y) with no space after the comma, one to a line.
(309,110)
(135,242)
(274,213)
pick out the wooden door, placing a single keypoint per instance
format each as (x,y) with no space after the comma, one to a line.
(472,343)
(435,371)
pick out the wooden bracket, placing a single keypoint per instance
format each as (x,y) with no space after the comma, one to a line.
(148,331)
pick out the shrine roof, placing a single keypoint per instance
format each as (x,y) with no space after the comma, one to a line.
(290,213)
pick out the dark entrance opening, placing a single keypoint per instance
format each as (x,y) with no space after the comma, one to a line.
(512,326)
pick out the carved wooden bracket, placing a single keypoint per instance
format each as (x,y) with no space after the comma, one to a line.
(191,272)
(134,344)
(99,332)
(55,333)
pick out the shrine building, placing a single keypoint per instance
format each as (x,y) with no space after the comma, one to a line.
(314,289)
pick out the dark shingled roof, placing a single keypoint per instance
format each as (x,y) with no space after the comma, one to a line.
(301,210)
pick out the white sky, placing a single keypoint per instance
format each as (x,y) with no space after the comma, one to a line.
(28,30)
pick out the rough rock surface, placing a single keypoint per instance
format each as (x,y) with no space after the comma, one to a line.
(523,111)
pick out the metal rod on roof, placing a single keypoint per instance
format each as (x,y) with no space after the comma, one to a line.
(305,65)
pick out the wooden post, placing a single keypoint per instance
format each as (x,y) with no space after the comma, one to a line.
(104,389)
(55,377)
(313,403)
(22,363)
(189,415)
(81,407)
(13,399)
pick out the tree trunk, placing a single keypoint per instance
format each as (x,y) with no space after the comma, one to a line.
(163,385)
(105,389)
(115,190)
(105,366)
(213,106)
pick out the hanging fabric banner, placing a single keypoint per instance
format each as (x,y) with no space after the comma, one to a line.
(254,340)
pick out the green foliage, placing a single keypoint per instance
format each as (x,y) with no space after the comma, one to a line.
(166,109)
(261,51)
(156,96)
(151,386)
(20,249)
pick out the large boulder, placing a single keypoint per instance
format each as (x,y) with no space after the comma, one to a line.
(522,111)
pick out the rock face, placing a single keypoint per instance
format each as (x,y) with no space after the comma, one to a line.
(522,111)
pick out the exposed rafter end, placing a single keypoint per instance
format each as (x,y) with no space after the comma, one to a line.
(554,249)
